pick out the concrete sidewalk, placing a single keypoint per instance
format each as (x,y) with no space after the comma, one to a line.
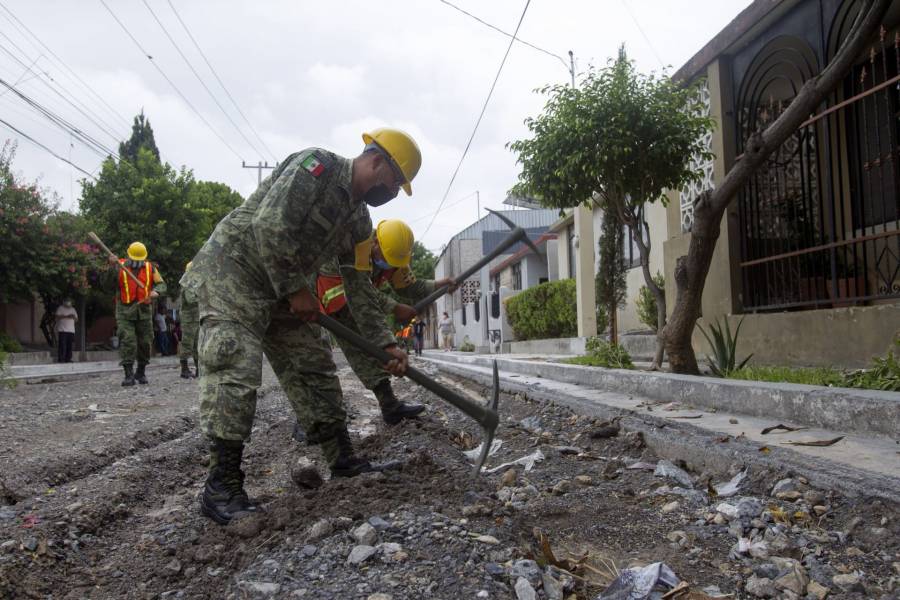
(60,371)
(697,422)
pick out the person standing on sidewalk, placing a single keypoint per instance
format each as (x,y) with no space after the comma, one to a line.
(445,326)
(66,317)
(419,335)
(134,311)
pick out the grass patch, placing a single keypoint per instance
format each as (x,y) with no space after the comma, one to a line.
(603,354)
(809,376)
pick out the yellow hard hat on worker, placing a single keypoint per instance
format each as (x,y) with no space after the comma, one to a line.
(395,239)
(401,148)
(137,251)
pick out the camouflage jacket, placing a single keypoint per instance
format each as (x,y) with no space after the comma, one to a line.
(274,243)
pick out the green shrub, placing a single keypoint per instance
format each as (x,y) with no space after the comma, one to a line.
(601,353)
(884,375)
(467,346)
(646,303)
(544,311)
(9,343)
(724,347)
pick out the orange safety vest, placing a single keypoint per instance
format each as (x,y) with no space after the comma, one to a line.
(330,289)
(128,290)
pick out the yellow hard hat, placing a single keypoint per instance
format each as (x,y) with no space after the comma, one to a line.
(137,251)
(395,239)
(187,267)
(402,149)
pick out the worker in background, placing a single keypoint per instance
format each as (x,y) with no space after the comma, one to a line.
(134,310)
(255,282)
(190,322)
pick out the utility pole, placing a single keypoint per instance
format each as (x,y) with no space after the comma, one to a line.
(259,169)
(477,205)
(572,67)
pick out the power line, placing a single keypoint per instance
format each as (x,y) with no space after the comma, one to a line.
(449,206)
(480,117)
(497,29)
(42,146)
(221,83)
(74,76)
(200,79)
(104,127)
(166,77)
(93,144)
(641,29)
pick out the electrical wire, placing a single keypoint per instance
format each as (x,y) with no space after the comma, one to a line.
(497,29)
(478,122)
(641,30)
(73,76)
(42,146)
(200,79)
(171,83)
(221,83)
(448,207)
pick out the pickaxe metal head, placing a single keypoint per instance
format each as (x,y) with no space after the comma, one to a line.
(488,438)
(524,235)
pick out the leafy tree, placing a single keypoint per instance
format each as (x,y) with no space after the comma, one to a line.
(42,249)
(146,201)
(620,141)
(610,283)
(211,201)
(141,137)
(423,262)
(646,303)
(691,270)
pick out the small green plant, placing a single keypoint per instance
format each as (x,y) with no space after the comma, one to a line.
(646,303)
(8,343)
(467,346)
(724,347)
(884,374)
(601,353)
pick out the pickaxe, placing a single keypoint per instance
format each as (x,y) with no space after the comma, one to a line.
(515,236)
(486,416)
(96,240)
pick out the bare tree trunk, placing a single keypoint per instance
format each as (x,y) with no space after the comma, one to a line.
(691,270)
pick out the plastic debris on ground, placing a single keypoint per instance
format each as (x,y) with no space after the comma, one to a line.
(528,461)
(641,583)
(665,468)
(731,487)
(474,453)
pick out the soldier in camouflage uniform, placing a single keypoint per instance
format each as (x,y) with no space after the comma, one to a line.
(254,279)
(134,310)
(387,264)
(190,323)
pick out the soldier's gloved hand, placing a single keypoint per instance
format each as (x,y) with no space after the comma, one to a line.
(404,313)
(304,305)
(397,366)
(446,282)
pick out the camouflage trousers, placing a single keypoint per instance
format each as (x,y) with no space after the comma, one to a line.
(135,331)
(188,346)
(231,355)
(369,370)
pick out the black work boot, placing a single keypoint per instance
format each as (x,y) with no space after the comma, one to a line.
(185,371)
(139,376)
(346,464)
(129,376)
(393,410)
(223,497)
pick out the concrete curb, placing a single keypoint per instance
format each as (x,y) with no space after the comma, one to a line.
(861,411)
(697,446)
(75,369)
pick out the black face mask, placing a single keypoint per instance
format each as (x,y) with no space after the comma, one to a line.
(378,195)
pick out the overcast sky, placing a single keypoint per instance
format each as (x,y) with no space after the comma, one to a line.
(318,74)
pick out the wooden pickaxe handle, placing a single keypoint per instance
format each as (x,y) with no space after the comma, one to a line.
(100,243)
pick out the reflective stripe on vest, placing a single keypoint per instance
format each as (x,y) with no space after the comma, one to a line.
(145,276)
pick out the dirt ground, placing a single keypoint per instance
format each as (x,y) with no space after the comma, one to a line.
(99,485)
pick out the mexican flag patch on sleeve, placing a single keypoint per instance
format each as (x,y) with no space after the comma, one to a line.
(312,164)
